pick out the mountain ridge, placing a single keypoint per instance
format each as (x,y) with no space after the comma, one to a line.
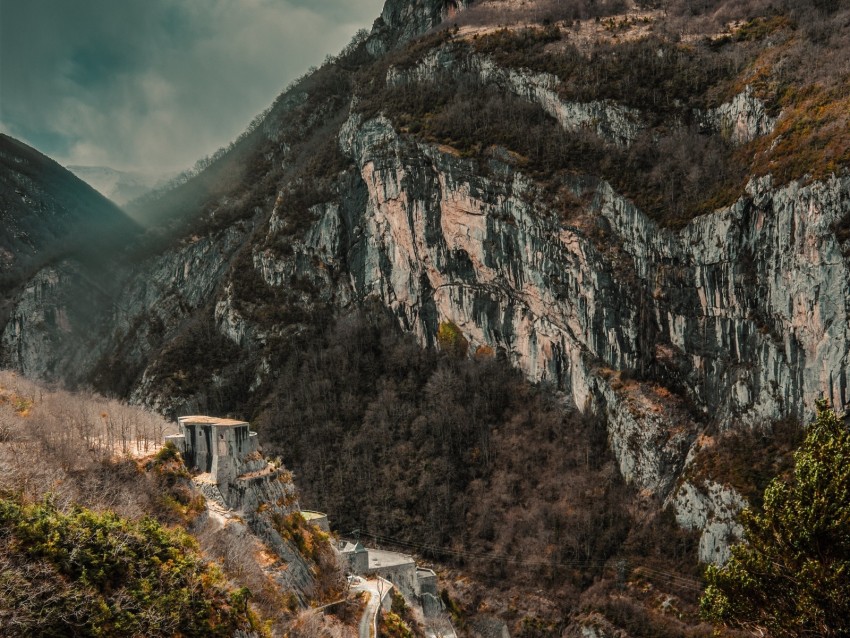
(120,187)
(65,210)
(626,224)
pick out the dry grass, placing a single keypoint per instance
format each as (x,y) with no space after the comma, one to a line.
(812,137)
(628,26)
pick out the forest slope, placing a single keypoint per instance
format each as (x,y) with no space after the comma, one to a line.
(643,209)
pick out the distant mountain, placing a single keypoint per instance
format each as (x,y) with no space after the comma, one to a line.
(59,239)
(119,186)
(46,211)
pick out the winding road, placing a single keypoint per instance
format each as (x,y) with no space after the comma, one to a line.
(376,588)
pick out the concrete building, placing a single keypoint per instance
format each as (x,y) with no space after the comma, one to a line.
(231,469)
(319,519)
(417,584)
(399,569)
(224,448)
(356,557)
(427,580)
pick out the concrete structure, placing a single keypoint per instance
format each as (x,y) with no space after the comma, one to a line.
(399,569)
(319,519)
(416,584)
(231,470)
(224,448)
(427,580)
(356,556)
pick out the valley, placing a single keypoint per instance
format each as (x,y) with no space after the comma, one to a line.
(543,293)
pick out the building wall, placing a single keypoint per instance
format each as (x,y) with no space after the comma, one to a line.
(221,450)
(199,446)
(427,581)
(358,562)
(402,576)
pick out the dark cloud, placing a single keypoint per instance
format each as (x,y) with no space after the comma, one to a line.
(155,84)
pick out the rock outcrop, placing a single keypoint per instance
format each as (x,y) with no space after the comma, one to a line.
(244,491)
(742,119)
(613,123)
(713,510)
(403,20)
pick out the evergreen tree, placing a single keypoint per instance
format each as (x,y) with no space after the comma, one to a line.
(791,576)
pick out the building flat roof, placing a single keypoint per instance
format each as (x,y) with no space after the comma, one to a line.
(211,420)
(311,515)
(379,558)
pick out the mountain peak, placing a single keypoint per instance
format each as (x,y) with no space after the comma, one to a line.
(403,20)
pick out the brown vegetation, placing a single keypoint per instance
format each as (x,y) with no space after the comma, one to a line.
(675,169)
(468,464)
(62,452)
(748,459)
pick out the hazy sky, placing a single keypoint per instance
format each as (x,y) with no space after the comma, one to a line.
(156,84)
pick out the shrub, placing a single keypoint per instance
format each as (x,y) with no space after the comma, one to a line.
(451,340)
(86,573)
(790,576)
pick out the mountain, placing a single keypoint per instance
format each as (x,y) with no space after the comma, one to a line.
(643,210)
(120,187)
(59,241)
(47,210)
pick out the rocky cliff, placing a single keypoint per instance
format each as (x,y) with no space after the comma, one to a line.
(733,319)
(401,21)
(743,311)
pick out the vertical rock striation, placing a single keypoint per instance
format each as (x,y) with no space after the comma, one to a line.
(743,313)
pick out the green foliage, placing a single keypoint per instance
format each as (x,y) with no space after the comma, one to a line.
(400,621)
(167,453)
(399,606)
(792,576)
(392,626)
(84,573)
(312,543)
(451,340)
(455,611)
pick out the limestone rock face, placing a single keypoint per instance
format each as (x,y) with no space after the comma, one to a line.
(745,307)
(36,324)
(742,119)
(64,321)
(713,509)
(57,320)
(402,20)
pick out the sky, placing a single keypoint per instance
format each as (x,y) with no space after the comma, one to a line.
(153,85)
